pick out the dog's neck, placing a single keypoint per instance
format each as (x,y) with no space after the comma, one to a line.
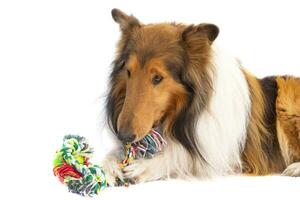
(222,127)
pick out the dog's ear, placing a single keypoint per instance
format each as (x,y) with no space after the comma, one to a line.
(198,32)
(126,22)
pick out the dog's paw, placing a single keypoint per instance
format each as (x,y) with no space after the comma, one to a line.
(292,170)
(112,170)
(138,171)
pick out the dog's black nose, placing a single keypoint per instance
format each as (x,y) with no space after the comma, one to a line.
(126,136)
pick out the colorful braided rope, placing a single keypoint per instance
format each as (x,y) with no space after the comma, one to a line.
(72,166)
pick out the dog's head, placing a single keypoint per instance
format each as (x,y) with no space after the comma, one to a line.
(160,77)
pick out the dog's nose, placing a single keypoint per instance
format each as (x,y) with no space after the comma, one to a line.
(126,135)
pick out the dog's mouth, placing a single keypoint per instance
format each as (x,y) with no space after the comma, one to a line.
(157,126)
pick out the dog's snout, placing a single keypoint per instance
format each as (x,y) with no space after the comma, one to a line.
(126,135)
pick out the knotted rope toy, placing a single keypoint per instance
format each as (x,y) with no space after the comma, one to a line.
(72,166)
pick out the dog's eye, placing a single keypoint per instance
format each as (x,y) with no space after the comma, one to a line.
(157,79)
(128,73)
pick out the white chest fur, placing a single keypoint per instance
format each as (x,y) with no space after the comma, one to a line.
(221,129)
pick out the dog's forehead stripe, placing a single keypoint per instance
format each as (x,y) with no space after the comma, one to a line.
(144,55)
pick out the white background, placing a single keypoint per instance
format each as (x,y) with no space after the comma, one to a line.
(54,62)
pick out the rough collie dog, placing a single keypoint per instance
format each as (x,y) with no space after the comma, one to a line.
(217,118)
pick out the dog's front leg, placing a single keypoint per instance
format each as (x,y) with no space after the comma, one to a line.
(144,170)
(111,167)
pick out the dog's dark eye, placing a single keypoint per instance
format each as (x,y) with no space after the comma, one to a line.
(157,79)
(128,73)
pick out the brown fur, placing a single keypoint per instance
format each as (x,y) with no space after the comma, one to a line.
(163,49)
(144,99)
(256,156)
(288,118)
(144,61)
